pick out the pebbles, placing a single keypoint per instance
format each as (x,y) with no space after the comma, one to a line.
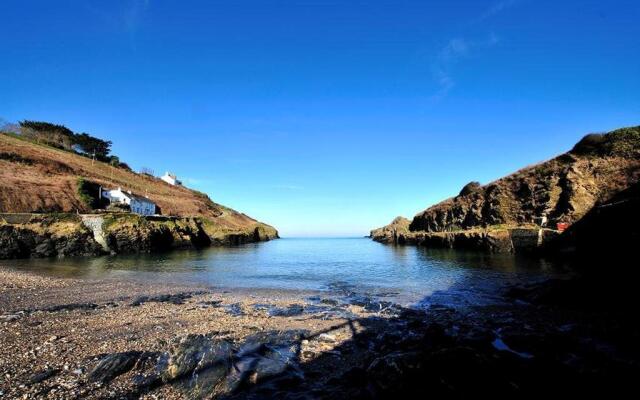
(233,346)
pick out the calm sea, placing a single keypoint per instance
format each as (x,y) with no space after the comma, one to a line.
(410,275)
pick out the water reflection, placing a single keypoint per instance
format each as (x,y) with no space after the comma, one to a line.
(313,264)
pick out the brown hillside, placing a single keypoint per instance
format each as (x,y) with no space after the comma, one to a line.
(563,189)
(38,178)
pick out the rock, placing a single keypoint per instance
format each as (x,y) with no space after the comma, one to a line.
(194,353)
(264,356)
(71,307)
(177,298)
(22,241)
(10,317)
(43,375)
(331,302)
(210,303)
(325,337)
(389,370)
(235,309)
(112,365)
(394,233)
(292,310)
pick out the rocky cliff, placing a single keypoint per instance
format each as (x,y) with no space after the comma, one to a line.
(396,232)
(60,235)
(561,190)
(46,236)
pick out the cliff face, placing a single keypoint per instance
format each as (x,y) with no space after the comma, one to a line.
(563,189)
(61,235)
(396,232)
(42,179)
(46,236)
(609,233)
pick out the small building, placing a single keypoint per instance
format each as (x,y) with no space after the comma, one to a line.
(138,204)
(171,179)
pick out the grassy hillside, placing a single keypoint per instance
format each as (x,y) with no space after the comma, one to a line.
(39,178)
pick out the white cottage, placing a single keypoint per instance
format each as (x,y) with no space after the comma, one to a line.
(137,204)
(171,179)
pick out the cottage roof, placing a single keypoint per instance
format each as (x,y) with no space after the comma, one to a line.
(133,196)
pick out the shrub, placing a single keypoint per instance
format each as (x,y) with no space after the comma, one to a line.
(469,188)
(625,142)
(593,143)
(15,158)
(119,207)
(89,193)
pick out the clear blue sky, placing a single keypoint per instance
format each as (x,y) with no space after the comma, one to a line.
(325,117)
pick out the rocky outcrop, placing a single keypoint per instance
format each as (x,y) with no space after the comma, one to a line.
(561,190)
(397,232)
(47,236)
(608,233)
(133,233)
(489,240)
(60,235)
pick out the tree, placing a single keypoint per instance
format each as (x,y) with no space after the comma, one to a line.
(52,134)
(114,161)
(40,126)
(93,146)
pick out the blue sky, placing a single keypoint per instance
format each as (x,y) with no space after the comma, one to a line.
(325,117)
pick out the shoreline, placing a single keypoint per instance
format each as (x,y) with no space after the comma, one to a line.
(78,338)
(69,322)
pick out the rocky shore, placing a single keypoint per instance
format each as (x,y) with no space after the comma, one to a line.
(63,234)
(523,239)
(67,338)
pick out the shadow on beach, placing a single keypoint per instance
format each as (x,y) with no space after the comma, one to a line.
(521,346)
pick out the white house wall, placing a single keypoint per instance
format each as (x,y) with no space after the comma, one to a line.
(137,206)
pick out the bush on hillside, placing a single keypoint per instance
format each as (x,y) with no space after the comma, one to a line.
(17,158)
(89,193)
(61,137)
(623,142)
(593,143)
(469,188)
